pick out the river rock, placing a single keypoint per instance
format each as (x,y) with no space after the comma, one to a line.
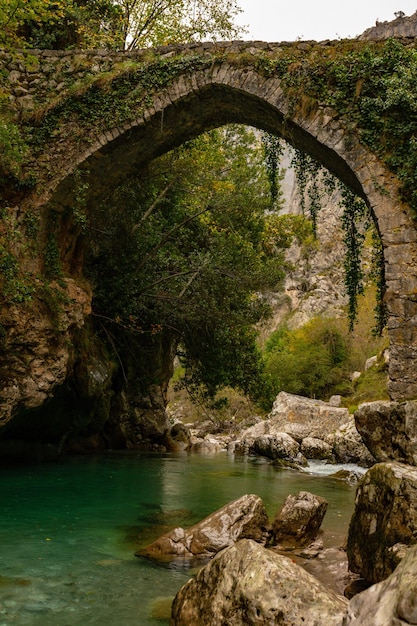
(389,430)
(298,521)
(279,446)
(303,417)
(178,438)
(349,476)
(245,517)
(209,444)
(392,602)
(248,584)
(384,521)
(313,448)
(296,416)
(348,446)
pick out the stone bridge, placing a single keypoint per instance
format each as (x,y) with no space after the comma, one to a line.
(93,117)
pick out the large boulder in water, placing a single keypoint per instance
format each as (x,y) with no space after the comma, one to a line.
(298,521)
(389,430)
(384,522)
(392,602)
(248,584)
(278,446)
(296,416)
(245,517)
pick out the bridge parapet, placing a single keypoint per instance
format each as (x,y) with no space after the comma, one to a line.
(31,77)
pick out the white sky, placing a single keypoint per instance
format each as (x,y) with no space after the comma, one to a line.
(279,20)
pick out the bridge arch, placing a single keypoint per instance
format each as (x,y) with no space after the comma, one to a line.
(223,93)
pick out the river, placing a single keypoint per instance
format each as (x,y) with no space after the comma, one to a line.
(69,530)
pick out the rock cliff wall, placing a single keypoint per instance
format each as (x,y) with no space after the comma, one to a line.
(314,285)
(402,26)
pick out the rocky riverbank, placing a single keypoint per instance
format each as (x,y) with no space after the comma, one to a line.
(297,429)
(380,552)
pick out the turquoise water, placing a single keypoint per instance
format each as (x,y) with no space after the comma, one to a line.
(69,530)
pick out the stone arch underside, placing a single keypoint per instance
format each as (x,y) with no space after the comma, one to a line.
(225,94)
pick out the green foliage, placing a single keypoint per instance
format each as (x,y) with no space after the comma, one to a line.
(313,181)
(15,287)
(52,258)
(188,259)
(224,357)
(307,171)
(79,208)
(369,387)
(51,252)
(60,24)
(282,230)
(153,23)
(378,275)
(355,222)
(31,223)
(106,100)
(372,86)
(53,299)
(273,149)
(309,361)
(12,147)
(386,108)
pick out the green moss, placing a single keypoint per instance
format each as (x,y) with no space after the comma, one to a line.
(110,98)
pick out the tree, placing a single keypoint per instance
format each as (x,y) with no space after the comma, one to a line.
(119,24)
(159,22)
(181,254)
(60,24)
(310,360)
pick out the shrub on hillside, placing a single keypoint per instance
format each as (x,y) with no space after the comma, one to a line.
(309,361)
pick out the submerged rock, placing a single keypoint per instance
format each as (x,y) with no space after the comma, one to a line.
(348,476)
(245,517)
(384,522)
(298,521)
(248,584)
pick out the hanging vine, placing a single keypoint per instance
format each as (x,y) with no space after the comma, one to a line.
(313,181)
(308,176)
(273,149)
(355,221)
(378,275)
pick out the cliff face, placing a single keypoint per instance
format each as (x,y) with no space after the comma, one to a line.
(61,382)
(37,349)
(314,285)
(402,26)
(63,385)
